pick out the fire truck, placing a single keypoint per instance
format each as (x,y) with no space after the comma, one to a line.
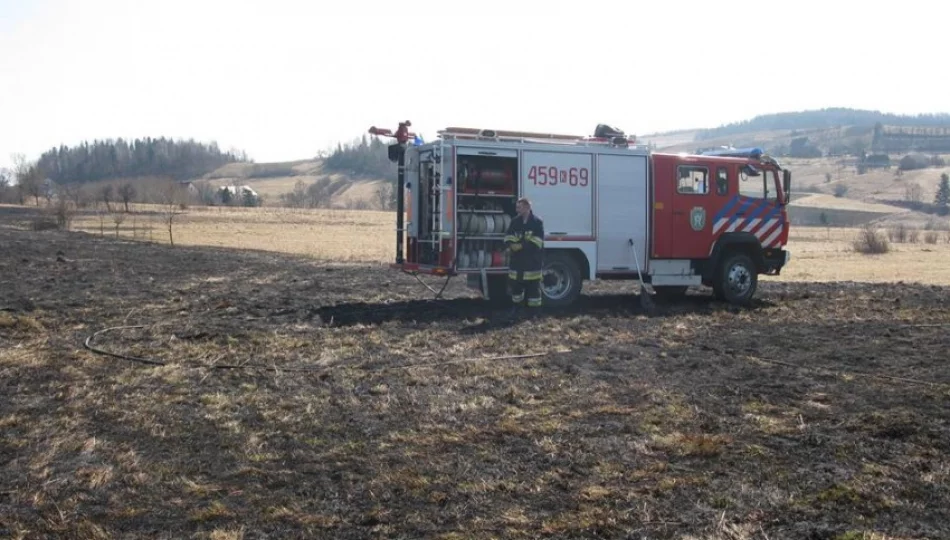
(613,209)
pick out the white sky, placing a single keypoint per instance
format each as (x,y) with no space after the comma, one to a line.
(283,80)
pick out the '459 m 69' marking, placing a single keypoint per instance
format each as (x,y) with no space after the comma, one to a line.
(552,176)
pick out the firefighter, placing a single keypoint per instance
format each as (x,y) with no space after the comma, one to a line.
(525,240)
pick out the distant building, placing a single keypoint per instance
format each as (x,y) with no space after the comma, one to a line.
(237,195)
(876,161)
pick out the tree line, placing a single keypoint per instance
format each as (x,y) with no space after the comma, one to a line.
(823,118)
(367,157)
(107,159)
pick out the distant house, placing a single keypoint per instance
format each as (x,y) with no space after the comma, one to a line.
(48,188)
(190,186)
(878,161)
(237,195)
(915,161)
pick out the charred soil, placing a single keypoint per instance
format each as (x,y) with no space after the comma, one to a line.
(353,407)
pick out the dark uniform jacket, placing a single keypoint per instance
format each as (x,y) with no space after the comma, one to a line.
(526,261)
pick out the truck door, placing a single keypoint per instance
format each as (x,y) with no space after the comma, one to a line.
(693,200)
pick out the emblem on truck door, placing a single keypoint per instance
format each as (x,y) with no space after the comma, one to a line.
(697,218)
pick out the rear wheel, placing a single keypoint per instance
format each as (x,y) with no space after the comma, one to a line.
(561,279)
(737,279)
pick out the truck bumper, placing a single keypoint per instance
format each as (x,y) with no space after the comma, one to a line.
(775,260)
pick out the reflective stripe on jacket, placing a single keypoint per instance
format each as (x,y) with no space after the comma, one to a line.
(529,260)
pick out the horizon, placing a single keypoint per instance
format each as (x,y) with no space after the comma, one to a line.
(285,82)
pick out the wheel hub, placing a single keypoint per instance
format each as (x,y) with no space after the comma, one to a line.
(556,281)
(739,279)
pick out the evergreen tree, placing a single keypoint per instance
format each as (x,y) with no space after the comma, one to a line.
(942,199)
(363,157)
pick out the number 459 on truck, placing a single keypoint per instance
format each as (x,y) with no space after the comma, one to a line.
(612,208)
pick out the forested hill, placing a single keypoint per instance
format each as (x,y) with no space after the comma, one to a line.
(107,159)
(823,118)
(366,157)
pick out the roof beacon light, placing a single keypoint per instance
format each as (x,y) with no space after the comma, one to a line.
(750,153)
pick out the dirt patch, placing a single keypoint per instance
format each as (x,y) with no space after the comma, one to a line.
(819,412)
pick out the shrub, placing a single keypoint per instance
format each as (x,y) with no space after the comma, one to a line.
(931,237)
(903,234)
(898,233)
(841,190)
(871,241)
(64,213)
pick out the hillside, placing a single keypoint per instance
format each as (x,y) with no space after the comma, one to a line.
(816,133)
(271,180)
(353,175)
(819,119)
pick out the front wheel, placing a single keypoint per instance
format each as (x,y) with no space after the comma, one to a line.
(737,279)
(560,279)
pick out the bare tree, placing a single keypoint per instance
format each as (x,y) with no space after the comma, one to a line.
(205,192)
(20,164)
(75,193)
(49,190)
(117,218)
(126,193)
(64,209)
(28,178)
(384,196)
(914,194)
(6,176)
(31,185)
(105,195)
(173,202)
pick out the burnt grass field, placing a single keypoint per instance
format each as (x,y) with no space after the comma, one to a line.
(299,398)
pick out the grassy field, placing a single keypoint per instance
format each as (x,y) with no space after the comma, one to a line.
(819,254)
(269,377)
(329,235)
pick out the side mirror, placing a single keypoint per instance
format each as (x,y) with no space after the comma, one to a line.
(787,185)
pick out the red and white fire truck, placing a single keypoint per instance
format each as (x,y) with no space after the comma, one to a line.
(612,209)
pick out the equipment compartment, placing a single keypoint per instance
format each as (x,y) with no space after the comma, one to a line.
(486,174)
(487,191)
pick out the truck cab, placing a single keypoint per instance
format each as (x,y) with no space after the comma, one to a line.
(721,217)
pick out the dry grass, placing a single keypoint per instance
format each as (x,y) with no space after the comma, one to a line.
(828,255)
(840,203)
(672,424)
(818,253)
(337,235)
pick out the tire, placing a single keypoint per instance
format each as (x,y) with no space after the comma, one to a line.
(561,279)
(737,279)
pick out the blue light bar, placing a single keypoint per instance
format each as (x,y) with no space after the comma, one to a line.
(753,152)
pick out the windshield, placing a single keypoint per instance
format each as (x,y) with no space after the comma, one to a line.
(765,185)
